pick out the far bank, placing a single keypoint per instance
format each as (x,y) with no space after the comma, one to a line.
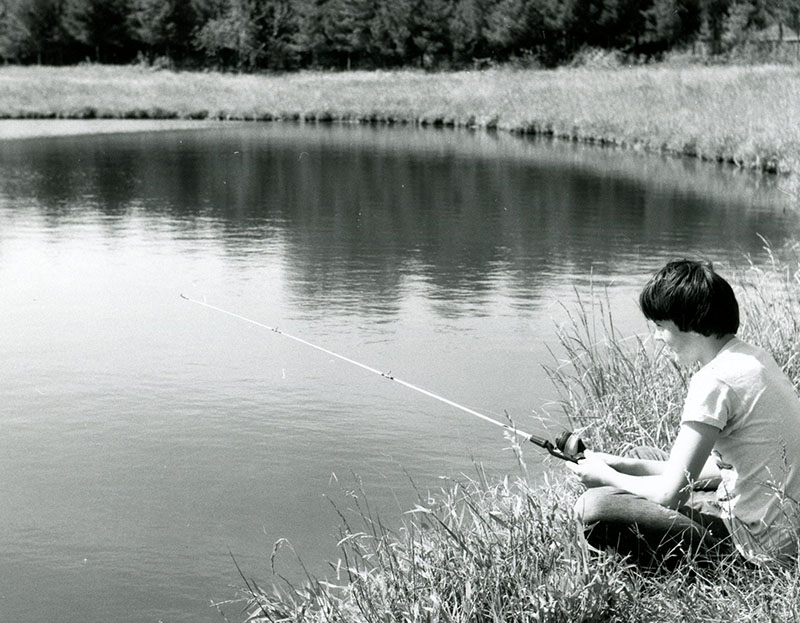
(747,116)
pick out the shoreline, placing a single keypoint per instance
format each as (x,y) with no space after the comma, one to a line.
(89,122)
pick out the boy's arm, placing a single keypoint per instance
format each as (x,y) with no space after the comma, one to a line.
(632,466)
(668,487)
(710,476)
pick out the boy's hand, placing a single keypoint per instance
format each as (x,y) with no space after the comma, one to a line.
(608,459)
(592,471)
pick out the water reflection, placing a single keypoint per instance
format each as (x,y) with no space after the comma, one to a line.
(355,223)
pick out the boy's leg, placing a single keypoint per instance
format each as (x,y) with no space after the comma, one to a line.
(652,535)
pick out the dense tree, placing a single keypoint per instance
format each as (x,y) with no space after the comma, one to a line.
(390,32)
(792,15)
(669,23)
(102,27)
(535,28)
(33,31)
(613,24)
(429,42)
(279,29)
(163,27)
(229,38)
(713,14)
(314,18)
(250,35)
(785,13)
(347,33)
(15,36)
(470,29)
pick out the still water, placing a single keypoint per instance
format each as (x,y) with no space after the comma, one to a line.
(143,439)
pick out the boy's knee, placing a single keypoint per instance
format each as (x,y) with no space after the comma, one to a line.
(595,504)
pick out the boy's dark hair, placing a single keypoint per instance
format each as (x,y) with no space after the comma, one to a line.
(693,296)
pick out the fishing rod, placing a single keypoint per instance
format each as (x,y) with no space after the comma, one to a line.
(567,446)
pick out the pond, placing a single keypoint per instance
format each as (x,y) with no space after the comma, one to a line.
(145,439)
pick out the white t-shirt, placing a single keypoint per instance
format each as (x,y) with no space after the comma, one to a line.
(744,393)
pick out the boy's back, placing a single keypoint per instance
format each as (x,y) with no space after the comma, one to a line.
(743,392)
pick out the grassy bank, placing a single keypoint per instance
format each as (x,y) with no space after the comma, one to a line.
(749,116)
(511,552)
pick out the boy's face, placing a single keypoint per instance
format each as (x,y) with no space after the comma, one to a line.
(685,345)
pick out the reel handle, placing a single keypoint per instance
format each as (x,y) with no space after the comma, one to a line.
(568,446)
(571,446)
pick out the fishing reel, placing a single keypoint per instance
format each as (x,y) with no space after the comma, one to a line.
(568,446)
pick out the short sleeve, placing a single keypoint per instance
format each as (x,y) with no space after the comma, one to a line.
(708,401)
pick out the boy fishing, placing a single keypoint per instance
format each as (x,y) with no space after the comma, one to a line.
(739,435)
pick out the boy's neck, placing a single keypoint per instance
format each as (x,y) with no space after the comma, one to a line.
(712,345)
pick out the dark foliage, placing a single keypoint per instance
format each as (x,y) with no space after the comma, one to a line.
(283,35)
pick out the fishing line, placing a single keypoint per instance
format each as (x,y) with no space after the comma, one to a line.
(363,366)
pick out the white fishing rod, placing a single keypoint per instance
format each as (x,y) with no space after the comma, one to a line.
(567,446)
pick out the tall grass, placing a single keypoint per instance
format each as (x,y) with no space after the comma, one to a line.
(749,116)
(618,392)
(621,392)
(481,552)
(771,299)
(511,551)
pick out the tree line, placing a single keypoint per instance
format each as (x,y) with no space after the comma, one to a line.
(285,35)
